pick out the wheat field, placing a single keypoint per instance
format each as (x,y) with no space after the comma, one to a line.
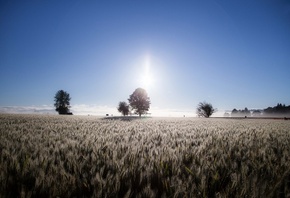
(74,156)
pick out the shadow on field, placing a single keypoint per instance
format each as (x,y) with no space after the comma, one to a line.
(125,118)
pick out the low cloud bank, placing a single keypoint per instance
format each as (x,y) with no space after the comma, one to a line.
(41,109)
(82,109)
(50,109)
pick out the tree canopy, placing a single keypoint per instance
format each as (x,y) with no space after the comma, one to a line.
(139,101)
(123,108)
(243,112)
(278,110)
(205,109)
(62,102)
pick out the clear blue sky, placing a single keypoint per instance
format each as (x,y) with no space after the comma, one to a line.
(233,54)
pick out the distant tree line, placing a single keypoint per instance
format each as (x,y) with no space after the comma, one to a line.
(243,112)
(278,110)
(139,103)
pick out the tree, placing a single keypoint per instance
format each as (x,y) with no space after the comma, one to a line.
(204,109)
(234,112)
(123,108)
(277,110)
(139,101)
(62,102)
(246,112)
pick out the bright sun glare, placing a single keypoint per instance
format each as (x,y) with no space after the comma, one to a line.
(147,79)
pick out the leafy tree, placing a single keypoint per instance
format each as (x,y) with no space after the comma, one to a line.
(204,109)
(62,102)
(277,110)
(234,112)
(246,112)
(239,113)
(139,101)
(123,108)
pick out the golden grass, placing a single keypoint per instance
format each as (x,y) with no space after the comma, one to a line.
(71,156)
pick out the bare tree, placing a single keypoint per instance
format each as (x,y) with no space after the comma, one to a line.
(205,109)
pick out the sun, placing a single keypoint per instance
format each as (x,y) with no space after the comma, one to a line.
(146,78)
(147,81)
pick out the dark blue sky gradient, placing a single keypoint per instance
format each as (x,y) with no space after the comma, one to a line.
(234,54)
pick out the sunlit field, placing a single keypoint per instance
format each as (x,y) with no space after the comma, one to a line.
(71,156)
